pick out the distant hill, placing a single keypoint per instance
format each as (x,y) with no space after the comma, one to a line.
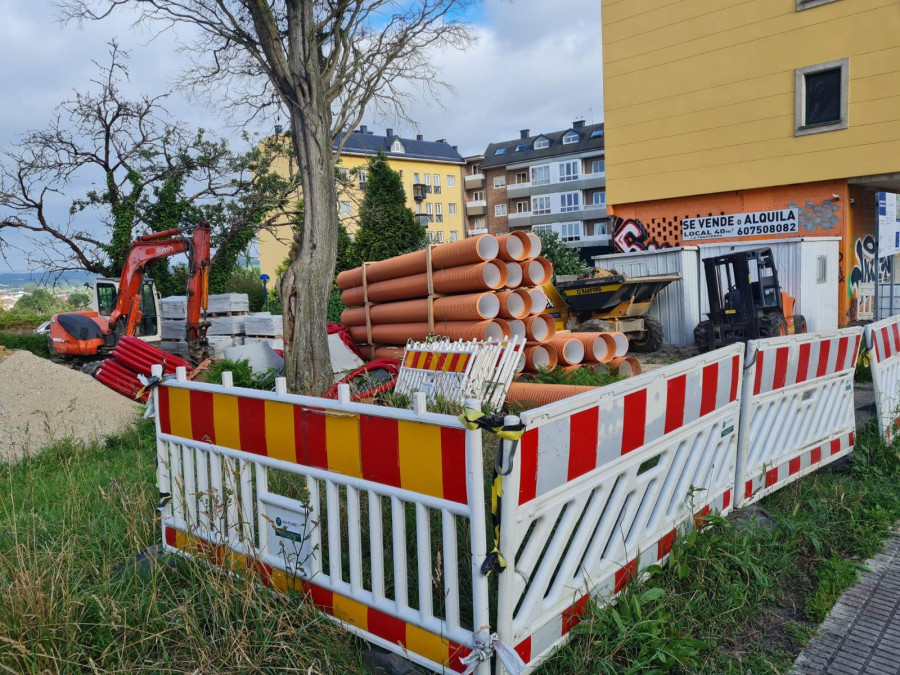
(14,281)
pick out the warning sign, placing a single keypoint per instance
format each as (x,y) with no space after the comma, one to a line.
(735,225)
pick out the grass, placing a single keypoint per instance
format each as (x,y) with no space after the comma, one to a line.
(242,374)
(745,596)
(36,344)
(72,598)
(584,376)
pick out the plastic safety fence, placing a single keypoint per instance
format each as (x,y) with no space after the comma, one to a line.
(376,514)
(455,371)
(600,485)
(797,412)
(883,344)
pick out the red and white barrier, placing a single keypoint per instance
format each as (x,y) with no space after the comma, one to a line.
(883,344)
(797,412)
(600,485)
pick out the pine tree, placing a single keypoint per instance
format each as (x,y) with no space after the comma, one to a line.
(387,227)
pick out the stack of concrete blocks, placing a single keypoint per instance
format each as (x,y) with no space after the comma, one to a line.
(226,313)
(265,327)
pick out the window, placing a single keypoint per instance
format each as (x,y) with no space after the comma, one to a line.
(397,146)
(499,151)
(598,166)
(540,205)
(601,227)
(542,228)
(427,179)
(416,178)
(454,235)
(568,201)
(596,133)
(439,217)
(521,177)
(820,97)
(600,198)
(439,236)
(478,223)
(540,175)
(451,181)
(821,269)
(478,196)
(106,298)
(522,207)
(571,137)
(430,212)
(345,209)
(418,207)
(438,208)
(451,208)
(437,180)
(343,175)
(499,181)
(520,147)
(476,169)
(570,231)
(363,176)
(541,143)
(808,4)
(568,171)
(499,210)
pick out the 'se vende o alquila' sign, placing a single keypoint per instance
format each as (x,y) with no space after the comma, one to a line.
(758,223)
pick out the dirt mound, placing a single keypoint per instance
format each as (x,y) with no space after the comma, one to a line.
(42,402)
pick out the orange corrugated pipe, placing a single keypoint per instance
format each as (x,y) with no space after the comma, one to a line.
(381,352)
(534,395)
(621,341)
(514,304)
(454,254)
(538,299)
(538,357)
(569,350)
(536,271)
(479,277)
(400,333)
(514,274)
(540,327)
(626,366)
(514,246)
(472,307)
(536,245)
(516,328)
(598,347)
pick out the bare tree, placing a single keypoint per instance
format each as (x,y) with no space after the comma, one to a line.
(325,62)
(124,163)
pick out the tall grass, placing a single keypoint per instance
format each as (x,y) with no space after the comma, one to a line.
(72,597)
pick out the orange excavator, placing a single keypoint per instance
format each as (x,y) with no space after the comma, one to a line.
(88,336)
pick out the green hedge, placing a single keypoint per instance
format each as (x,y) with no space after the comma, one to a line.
(36,344)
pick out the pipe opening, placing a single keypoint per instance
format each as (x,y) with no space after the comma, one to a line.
(539,329)
(492,275)
(538,300)
(516,328)
(515,306)
(536,245)
(540,357)
(488,247)
(495,330)
(573,351)
(515,274)
(488,305)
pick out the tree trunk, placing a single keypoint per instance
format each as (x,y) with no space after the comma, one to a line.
(306,284)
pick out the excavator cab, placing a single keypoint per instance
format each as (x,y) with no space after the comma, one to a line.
(104,301)
(745,301)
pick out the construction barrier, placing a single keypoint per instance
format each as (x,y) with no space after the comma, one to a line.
(883,344)
(599,485)
(377,514)
(797,412)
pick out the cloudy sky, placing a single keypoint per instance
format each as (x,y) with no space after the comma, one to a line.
(537,65)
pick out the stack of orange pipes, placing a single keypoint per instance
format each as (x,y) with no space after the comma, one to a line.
(477,288)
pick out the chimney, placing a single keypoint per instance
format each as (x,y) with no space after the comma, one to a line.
(442,140)
(390,132)
(278,128)
(419,137)
(578,124)
(363,129)
(456,147)
(524,133)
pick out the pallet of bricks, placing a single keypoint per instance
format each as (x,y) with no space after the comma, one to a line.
(226,314)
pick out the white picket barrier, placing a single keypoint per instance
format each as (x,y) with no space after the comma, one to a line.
(376,513)
(797,412)
(599,485)
(883,344)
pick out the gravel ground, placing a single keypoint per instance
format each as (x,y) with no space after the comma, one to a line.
(42,402)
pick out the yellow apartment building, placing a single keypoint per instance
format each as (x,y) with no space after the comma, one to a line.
(431,172)
(727,107)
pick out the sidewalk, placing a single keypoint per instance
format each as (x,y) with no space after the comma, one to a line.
(862,631)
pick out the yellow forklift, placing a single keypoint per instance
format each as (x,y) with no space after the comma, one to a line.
(609,301)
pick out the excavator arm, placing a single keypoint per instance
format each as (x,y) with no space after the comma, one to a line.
(127,313)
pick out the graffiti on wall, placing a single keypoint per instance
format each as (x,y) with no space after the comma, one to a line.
(631,235)
(861,289)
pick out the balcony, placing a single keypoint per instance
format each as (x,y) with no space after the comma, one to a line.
(476,208)
(585,181)
(419,191)
(520,219)
(474,181)
(477,230)
(423,219)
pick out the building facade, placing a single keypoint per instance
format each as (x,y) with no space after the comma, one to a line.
(431,172)
(552,181)
(754,121)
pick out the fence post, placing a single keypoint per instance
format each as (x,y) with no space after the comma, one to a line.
(163,475)
(743,445)
(510,464)
(477,530)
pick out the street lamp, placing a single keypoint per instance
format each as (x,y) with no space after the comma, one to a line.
(265,279)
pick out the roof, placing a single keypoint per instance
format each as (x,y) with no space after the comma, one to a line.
(556,148)
(366,143)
